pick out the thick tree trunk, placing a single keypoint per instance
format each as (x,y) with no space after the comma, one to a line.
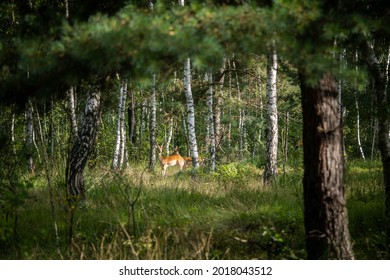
(326,219)
(190,114)
(82,147)
(271,168)
(383,126)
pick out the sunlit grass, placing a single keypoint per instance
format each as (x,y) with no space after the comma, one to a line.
(137,214)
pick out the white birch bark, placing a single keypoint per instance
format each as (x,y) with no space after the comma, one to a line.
(190,109)
(119,150)
(152,127)
(211,122)
(190,114)
(355,92)
(71,103)
(272,115)
(30,137)
(240,115)
(170,135)
(13,146)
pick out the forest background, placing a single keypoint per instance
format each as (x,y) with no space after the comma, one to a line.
(280,106)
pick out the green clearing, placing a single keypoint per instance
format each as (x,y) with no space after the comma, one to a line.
(226,215)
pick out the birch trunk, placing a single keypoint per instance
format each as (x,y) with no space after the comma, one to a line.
(152,127)
(132,120)
(82,148)
(190,114)
(119,150)
(211,122)
(218,107)
(383,126)
(240,115)
(71,103)
(170,135)
(271,169)
(355,92)
(30,138)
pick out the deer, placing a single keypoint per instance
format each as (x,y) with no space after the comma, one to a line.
(174,159)
(188,160)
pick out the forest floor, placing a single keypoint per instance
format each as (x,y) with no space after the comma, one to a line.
(226,215)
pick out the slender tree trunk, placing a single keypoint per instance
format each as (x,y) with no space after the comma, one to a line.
(152,127)
(271,168)
(170,134)
(326,218)
(30,138)
(132,120)
(71,103)
(119,151)
(285,144)
(218,106)
(383,126)
(82,147)
(190,114)
(355,92)
(211,122)
(240,114)
(13,146)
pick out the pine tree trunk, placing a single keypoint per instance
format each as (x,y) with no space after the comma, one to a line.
(326,219)
(82,147)
(190,114)
(383,126)
(271,168)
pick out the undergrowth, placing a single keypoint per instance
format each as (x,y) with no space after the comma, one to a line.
(228,214)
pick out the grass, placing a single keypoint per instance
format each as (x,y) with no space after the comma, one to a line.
(226,215)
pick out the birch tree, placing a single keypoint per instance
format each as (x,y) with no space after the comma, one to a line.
(190,114)
(271,168)
(120,143)
(380,91)
(152,126)
(82,147)
(355,92)
(190,110)
(211,121)
(30,137)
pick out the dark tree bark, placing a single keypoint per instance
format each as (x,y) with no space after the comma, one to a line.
(325,215)
(82,147)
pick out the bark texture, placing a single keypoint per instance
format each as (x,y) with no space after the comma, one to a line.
(271,168)
(190,114)
(82,147)
(326,218)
